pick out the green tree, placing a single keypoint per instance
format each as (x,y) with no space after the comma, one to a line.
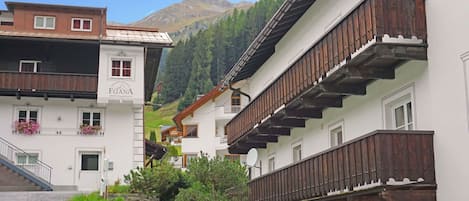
(153,136)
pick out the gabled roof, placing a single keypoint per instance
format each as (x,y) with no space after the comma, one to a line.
(263,45)
(214,93)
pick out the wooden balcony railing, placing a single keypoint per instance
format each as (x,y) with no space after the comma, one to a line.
(368,23)
(374,158)
(48,82)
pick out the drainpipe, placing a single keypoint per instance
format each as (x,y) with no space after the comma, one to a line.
(240,92)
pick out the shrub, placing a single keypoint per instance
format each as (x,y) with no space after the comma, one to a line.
(93,197)
(153,136)
(163,181)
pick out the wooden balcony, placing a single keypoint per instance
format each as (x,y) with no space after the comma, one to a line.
(367,45)
(48,84)
(369,163)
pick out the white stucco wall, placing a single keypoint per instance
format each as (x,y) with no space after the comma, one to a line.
(211,120)
(440,85)
(60,151)
(133,85)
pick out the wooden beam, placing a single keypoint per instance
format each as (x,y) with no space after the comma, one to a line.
(273,131)
(234,149)
(301,113)
(370,72)
(262,139)
(355,89)
(249,145)
(286,123)
(309,102)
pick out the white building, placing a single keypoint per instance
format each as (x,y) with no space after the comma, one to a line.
(83,83)
(203,124)
(357,100)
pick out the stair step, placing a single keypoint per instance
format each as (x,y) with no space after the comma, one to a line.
(19,188)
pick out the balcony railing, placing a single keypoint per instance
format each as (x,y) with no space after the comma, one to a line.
(357,47)
(376,159)
(48,82)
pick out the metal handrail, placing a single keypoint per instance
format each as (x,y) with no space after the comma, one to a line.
(40,169)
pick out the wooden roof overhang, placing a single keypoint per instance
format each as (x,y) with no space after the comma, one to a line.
(263,45)
(365,46)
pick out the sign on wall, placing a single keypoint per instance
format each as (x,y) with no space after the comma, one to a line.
(121,89)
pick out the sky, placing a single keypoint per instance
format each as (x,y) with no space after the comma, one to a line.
(123,11)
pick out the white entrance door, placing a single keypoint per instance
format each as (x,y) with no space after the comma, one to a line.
(89,170)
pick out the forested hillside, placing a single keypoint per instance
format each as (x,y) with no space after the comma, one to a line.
(197,64)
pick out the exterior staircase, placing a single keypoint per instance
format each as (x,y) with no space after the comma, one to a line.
(14,177)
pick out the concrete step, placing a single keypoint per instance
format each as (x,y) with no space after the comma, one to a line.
(39,195)
(19,188)
(12,181)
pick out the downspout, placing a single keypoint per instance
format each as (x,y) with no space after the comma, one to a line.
(240,92)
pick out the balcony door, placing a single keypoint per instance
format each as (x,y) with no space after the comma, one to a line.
(88,170)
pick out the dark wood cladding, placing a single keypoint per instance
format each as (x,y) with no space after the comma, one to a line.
(378,156)
(370,20)
(48,82)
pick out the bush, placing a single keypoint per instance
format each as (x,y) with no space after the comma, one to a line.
(93,197)
(215,179)
(163,181)
(153,136)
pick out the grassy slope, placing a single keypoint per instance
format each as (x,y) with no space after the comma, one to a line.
(163,116)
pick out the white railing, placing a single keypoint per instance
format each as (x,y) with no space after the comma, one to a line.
(40,169)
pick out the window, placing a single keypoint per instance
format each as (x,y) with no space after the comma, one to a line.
(29,66)
(187,159)
(271,163)
(336,133)
(398,111)
(90,162)
(27,158)
(235,102)
(296,153)
(80,24)
(190,131)
(232,157)
(121,68)
(44,22)
(24,114)
(91,118)
(402,116)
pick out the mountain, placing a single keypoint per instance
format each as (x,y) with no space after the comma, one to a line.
(189,13)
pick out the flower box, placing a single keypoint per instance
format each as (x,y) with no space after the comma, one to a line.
(89,130)
(27,127)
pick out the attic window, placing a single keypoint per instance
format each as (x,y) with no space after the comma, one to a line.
(44,22)
(81,24)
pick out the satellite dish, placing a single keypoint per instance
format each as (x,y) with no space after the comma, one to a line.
(251,158)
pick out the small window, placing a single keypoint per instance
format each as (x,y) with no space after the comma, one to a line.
(29,66)
(271,164)
(91,118)
(44,22)
(235,102)
(80,24)
(190,131)
(121,68)
(187,159)
(27,158)
(232,157)
(90,162)
(336,134)
(398,111)
(24,114)
(296,153)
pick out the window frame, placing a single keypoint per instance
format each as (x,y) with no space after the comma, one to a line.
(393,101)
(35,62)
(27,154)
(45,17)
(332,128)
(121,67)
(293,147)
(185,127)
(28,110)
(91,111)
(271,163)
(82,20)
